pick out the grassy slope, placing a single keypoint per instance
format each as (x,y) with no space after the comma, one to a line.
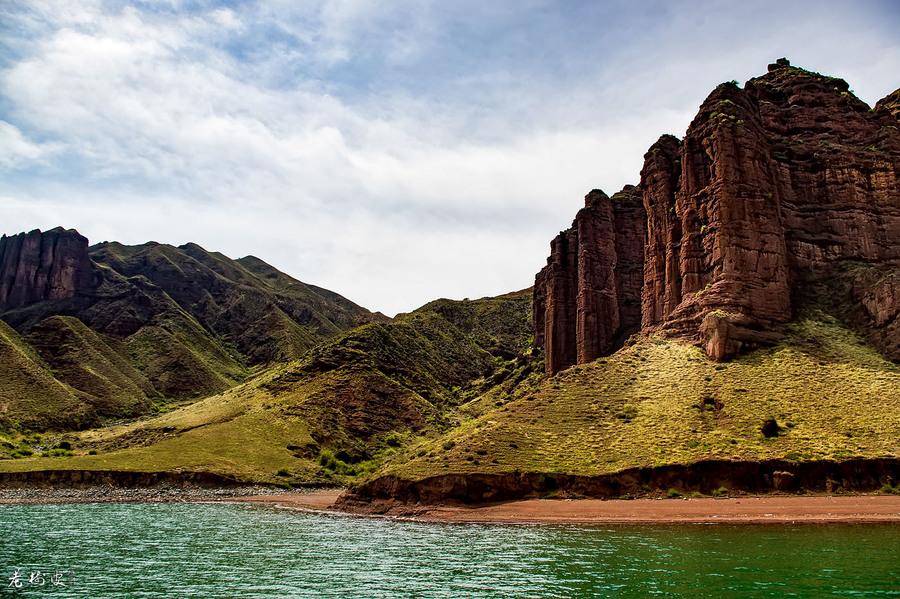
(660,402)
(164,324)
(233,433)
(29,389)
(87,362)
(420,396)
(359,396)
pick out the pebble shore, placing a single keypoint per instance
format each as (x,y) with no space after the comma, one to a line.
(161,493)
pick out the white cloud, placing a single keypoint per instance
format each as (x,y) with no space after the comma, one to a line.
(391,153)
(17,150)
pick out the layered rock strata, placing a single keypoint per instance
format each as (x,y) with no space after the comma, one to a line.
(789,178)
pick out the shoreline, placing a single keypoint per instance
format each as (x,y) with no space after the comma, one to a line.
(745,509)
(768,509)
(41,495)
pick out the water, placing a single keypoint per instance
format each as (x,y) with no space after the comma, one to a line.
(222,550)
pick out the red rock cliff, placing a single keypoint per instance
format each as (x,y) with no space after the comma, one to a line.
(587,298)
(789,178)
(38,266)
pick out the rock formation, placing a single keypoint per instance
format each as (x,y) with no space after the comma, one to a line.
(587,298)
(38,266)
(789,178)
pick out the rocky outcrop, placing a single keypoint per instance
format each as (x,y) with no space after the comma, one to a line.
(388,494)
(790,177)
(718,224)
(890,104)
(39,266)
(587,298)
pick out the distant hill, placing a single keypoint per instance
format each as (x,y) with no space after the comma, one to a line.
(118,328)
(340,410)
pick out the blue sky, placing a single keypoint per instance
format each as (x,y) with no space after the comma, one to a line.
(394,152)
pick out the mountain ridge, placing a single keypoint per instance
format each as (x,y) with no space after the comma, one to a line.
(181,322)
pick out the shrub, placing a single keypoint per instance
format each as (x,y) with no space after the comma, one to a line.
(887,488)
(448,445)
(771,428)
(720,492)
(328,461)
(282,472)
(673,493)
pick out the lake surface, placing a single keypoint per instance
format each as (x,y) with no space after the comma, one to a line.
(229,550)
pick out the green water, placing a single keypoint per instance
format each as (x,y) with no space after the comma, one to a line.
(221,550)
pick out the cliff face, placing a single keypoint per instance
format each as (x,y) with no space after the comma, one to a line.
(783,179)
(789,178)
(38,266)
(587,298)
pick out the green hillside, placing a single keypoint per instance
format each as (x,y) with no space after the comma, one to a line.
(660,401)
(342,410)
(87,362)
(29,390)
(163,324)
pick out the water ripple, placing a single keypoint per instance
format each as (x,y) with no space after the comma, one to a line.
(223,550)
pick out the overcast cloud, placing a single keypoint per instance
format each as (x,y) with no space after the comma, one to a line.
(394,152)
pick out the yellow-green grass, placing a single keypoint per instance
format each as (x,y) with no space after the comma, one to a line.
(257,431)
(661,402)
(388,395)
(29,390)
(236,433)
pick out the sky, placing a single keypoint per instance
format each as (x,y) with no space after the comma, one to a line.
(392,151)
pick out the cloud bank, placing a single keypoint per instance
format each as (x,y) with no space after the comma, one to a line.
(393,152)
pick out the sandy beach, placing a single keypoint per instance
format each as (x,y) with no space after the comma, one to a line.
(742,510)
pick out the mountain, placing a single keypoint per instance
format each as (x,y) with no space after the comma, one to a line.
(729,323)
(122,328)
(337,412)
